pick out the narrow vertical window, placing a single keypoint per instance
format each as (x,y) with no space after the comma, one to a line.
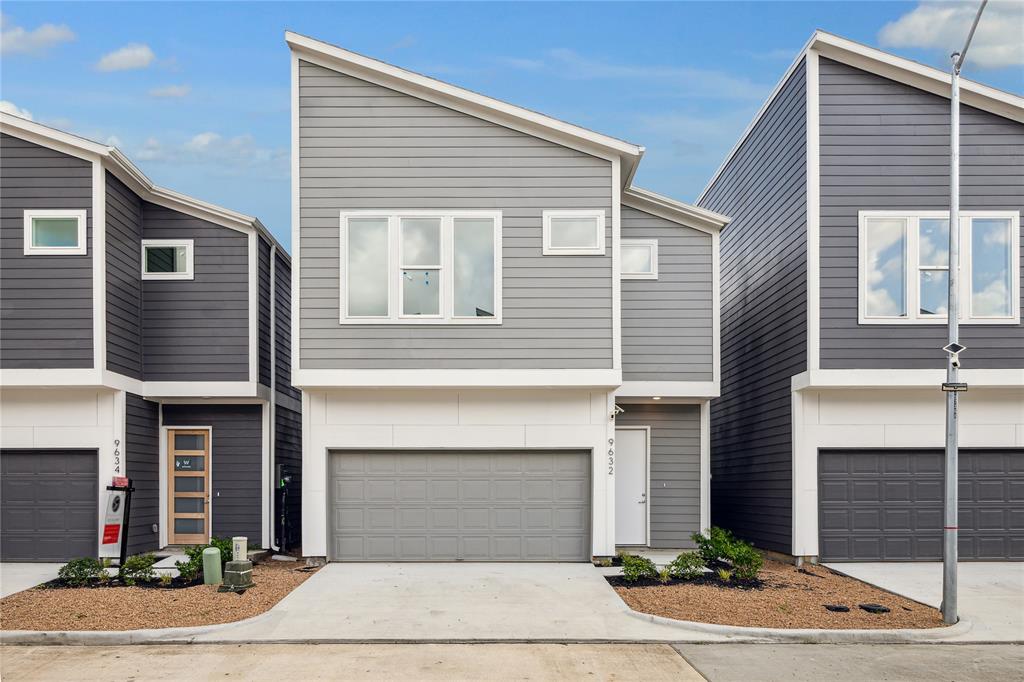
(991,267)
(473,265)
(886,274)
(420,256)
(933,266)
(367,267)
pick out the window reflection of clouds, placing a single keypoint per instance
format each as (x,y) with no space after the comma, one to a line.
(421,292)
(934,241)
(636,258)
(473,260)
(990,267)
(886,267)
(421,241)
(368,267)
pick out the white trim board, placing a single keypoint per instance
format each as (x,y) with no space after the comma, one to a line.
(904,378)
(668,389)
(678,212)
(813,198)
(456,378)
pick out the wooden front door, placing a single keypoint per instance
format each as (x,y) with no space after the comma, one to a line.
(188,477)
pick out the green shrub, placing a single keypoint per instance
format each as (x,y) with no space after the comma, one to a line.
(636,567)
(687,566)
(226,548)
(746,561)
(138,568)
(715,545)
(190,569)
(81,572)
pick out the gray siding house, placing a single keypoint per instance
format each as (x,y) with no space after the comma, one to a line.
(827,438)
(505,350)
(144,334)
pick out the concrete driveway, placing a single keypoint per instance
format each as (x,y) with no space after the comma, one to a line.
(394,602)
(15,577)
(991,594)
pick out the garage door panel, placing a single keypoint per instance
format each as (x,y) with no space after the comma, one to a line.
(472,506)
(903,522)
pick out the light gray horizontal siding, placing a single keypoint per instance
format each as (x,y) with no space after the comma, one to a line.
(197,330)
(764,321)
(45,301)
(885,145)
(675,469)
(667,322)
(124,281)
(363,146)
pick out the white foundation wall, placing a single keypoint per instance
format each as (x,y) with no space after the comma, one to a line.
(466,419)
(68,418)
(889,418)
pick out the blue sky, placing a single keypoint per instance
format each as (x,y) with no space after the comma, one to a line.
(197,94)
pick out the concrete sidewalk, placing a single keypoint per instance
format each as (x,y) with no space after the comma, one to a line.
(17,577)
(991,594)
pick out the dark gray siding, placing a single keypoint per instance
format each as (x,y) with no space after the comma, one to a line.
(885,145)
(288,452)
(675,469)
(283,327)
(667,322)
(197,330)
(236,461)
(124,279)
(764,321)
(142,462)
(367,147)
(45,301)
(265,361)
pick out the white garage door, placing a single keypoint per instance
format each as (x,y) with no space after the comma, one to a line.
(454,506)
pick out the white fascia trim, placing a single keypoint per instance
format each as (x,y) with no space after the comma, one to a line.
(668,389)
(254,307)
(375,71)
(705,466)
(888,66)
(456,378)
(51,137)
(813,198)
(296,339)
(26,378)
(675,211)
(616,261)
(99,266)
(266,477)
(904,378)
(716,311)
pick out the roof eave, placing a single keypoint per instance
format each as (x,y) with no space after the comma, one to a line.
(676,211)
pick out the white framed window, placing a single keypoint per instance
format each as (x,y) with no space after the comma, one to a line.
(573,233)
(903,267)
(420,267)
(55,232)
(167,259)
(639,258)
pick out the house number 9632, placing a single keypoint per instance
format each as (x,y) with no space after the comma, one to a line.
(611,461)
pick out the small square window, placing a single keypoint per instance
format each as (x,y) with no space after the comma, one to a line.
(167,259)
(574,233)
(639,258)
(55,233)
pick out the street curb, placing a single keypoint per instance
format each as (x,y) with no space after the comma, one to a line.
(119,637)
(815,636)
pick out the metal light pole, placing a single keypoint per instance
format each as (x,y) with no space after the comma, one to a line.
(952,386)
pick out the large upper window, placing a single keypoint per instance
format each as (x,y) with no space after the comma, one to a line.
(904,267)
(55,233)
(573,233)
(421,267)
(167,259)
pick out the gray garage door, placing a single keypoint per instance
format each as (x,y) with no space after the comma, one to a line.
(448,506)
(887,505)
(47,504)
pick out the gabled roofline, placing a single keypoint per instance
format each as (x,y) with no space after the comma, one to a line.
(676,211)
(469,102)
(118,163)
(899,69)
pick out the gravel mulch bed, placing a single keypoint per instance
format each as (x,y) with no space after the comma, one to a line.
(134,608)
(787,597)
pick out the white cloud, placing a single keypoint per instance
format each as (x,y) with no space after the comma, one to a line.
(133,56)
(694,82)
(404,42)
(999,41)
(19,40)
(231,154)
(169,91)
(12,108)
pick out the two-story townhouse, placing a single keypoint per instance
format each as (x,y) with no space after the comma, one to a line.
(828,437)
(505,351)
(145,334)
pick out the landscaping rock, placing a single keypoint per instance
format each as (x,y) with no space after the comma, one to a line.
(837,608)
(875,608)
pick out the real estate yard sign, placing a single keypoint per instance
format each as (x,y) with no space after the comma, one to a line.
(114,518)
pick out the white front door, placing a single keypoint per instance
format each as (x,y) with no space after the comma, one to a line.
(631,486)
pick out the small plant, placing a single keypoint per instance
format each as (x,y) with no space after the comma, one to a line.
(166,579)
(664,576)
(687,566)
(746,561)
(138,568)
(604,562)
(637,567)
(715,545)
(81,572)
(724,574)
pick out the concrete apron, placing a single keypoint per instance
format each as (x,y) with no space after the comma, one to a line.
(466,603)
